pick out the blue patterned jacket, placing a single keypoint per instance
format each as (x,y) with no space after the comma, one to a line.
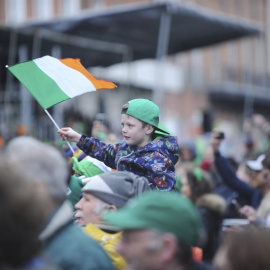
(155,160)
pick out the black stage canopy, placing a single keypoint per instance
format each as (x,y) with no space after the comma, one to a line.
(137,32)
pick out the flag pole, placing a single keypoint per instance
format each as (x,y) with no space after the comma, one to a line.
(58,129)
(7,66)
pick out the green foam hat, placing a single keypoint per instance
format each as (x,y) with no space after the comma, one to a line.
(74,190)
(85,167)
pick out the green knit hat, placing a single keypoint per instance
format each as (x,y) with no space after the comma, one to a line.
(146,111)
(164,211)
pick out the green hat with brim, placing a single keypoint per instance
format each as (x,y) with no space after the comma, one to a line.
(164,132)
(164,211)
(146,111)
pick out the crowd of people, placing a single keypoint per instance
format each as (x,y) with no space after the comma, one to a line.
(146,202)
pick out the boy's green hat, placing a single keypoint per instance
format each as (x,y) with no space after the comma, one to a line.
(164,130)
(164,211)
(146,111)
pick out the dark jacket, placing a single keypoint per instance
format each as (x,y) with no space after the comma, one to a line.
(155,160)
(211,208)
(252,195)
(202,266)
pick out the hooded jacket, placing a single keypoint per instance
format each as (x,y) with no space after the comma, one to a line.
(154,160)
(68,247)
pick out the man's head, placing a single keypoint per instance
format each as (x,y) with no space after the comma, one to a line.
(247,249)
(256,165)
(188,151)
(140,119)
(196,184)
(43,165)
(263,178)
(253,170)
(108,191)
(158,230)
(21,220)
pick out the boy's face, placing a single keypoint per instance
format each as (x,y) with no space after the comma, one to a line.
(134,131)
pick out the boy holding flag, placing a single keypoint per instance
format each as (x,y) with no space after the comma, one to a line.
(146,150)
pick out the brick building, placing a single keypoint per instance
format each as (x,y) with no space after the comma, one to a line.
(227,81)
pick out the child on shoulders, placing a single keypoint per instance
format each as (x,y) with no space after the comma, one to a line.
(146,149)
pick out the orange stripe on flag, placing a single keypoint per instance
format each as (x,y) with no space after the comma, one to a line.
(76,64)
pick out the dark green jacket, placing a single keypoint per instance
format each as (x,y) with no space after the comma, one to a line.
(69,247)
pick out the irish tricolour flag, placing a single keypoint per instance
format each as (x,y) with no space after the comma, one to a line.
(52,80)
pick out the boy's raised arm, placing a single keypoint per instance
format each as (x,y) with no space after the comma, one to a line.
(69,134)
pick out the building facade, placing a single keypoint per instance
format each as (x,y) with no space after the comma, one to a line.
(223,82)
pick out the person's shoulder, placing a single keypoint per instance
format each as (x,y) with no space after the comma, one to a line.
(167,141)
(79,248)
(213,202)
(71,235)
(168,147)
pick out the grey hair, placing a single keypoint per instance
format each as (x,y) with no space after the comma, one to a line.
(40,162)
(156,241)
(183,254)
(101,206)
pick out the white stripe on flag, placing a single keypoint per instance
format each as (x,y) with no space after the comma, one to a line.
(71,81)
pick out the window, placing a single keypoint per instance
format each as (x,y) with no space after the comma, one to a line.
(15,11)
(43,9)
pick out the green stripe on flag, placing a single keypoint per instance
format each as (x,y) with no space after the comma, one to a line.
(42,87)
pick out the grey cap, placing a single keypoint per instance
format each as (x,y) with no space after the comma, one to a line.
(116,188)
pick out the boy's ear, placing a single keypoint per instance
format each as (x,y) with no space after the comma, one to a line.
(149,129)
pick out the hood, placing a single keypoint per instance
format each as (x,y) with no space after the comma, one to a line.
(213,202)
(62,216)
(165,145)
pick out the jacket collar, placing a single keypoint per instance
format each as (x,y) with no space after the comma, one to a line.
(61,217)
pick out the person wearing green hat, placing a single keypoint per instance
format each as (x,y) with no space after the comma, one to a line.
(147,149)
(158,231)
(83,169)
(88,167)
